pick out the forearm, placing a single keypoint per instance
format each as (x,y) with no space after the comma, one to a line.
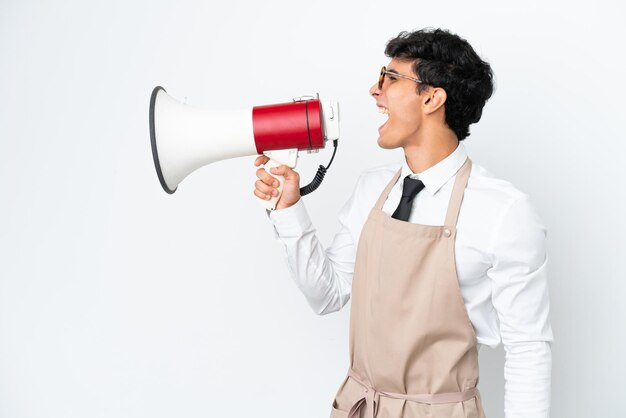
(527,374)
(520,297)
(324,277)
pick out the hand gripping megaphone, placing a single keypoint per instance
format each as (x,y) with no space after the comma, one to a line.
(185,138)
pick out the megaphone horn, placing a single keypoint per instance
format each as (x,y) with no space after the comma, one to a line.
(185,138)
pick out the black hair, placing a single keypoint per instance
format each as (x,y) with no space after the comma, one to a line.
(443,59)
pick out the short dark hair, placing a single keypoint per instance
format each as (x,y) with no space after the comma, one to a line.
(446,60)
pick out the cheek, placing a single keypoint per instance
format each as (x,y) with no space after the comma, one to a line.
(407,115)
(404,109)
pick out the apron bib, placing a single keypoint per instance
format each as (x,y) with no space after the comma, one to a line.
(413,349)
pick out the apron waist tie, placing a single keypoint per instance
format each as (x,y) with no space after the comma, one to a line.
(370,400)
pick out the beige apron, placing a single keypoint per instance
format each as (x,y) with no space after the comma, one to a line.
(412,346)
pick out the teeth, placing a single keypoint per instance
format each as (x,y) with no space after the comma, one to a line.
(383,110)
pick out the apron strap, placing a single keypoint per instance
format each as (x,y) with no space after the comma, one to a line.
(383,196)
(457,194)
(367,404)
(455,199)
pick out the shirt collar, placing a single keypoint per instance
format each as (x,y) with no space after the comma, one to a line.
(437,175)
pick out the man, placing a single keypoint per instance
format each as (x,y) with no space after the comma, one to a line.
(437,254)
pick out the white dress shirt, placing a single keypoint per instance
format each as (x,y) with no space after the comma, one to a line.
(500,254)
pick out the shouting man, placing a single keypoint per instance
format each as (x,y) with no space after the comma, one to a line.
(439,256)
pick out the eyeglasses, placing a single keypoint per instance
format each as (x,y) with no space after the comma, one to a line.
(384,71)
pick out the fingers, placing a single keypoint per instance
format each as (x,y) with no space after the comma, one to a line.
(266,177)
(286,171)
(261,159)
(265,189)
(262,173)
(267,185)
(262,195)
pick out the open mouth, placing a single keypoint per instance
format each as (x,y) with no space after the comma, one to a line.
(384,111)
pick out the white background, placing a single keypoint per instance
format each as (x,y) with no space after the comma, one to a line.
(117,300)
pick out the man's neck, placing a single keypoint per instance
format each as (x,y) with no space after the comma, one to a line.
(429,150)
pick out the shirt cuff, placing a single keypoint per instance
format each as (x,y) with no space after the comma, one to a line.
(291,221)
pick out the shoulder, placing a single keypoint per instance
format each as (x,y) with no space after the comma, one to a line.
(372,181)
(498,206)
(366,191)
(378,176)
(492,198)
(491,189)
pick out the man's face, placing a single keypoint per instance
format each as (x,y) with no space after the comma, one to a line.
(399,97)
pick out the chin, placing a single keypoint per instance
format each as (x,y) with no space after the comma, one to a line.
(388,143)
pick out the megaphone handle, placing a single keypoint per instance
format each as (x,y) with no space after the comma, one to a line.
(277,158)
(270,204)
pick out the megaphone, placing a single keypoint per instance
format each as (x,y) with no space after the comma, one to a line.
(185,138)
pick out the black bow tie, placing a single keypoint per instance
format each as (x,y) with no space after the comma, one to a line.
(410,189)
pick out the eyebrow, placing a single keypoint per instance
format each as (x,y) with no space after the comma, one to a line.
(393,70)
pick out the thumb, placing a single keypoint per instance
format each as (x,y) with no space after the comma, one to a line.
(283,170)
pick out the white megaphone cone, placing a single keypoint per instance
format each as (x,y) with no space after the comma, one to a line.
(185,138)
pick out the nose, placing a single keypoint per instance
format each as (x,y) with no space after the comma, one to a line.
(374,91)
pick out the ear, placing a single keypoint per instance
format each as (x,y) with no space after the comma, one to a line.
(434,98)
